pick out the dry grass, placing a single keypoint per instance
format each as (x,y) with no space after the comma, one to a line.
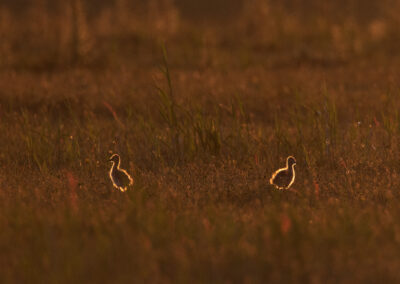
(200,127)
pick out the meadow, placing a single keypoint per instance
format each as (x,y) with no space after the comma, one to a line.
(203,102)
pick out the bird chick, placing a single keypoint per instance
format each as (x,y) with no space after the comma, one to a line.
(119,177)
(284,178)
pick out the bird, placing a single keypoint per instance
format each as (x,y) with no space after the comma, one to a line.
(119,177)
(284,178)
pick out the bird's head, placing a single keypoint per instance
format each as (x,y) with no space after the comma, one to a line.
(290,161)
(114,158)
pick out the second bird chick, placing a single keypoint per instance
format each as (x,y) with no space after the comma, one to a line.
(119,177)
(284,177)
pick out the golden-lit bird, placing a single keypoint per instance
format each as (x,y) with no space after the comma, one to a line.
(284,177)
(119,177)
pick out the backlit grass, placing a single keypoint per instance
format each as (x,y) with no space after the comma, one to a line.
(201,125)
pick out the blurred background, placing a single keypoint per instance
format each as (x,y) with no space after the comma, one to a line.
(46,34)
(248,83)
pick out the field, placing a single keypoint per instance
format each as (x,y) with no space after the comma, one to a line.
(203,100)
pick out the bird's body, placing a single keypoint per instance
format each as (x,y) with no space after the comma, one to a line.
(284,178)
(119,177)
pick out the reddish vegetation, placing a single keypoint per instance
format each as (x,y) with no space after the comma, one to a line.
(205,124)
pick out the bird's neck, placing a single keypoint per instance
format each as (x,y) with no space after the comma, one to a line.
(115,165)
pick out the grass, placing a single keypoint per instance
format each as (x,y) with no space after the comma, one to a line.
(200,124)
